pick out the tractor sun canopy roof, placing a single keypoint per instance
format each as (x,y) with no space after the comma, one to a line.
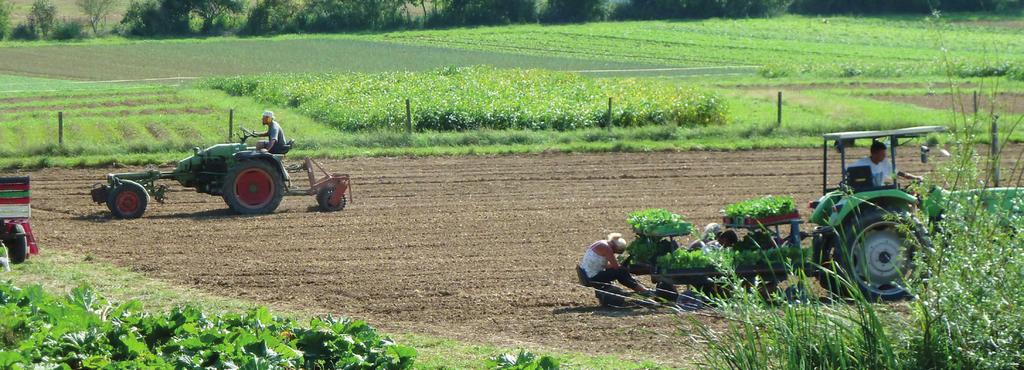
(903,132)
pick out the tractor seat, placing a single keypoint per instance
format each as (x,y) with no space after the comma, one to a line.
(283,149)
(859,178)
(582,276)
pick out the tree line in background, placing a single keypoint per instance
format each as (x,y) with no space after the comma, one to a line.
(150,18)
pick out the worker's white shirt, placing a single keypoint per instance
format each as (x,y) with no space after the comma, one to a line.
(597,258)
(879,172)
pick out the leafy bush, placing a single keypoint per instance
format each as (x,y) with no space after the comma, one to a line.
(24,31)
(83,330)
(762,207)
(657,221)
(480,12)
(270,17)
(574,10)
(456,99)
(666,9)
(70,30)
(346,15)
(156,17)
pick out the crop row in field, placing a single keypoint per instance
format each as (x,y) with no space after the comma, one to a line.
(126,121)
(458,99)
(788,45)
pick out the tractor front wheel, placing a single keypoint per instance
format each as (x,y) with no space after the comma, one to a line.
(323,199)
(128,200)
(253,188)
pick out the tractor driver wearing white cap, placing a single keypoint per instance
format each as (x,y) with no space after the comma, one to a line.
(275,135)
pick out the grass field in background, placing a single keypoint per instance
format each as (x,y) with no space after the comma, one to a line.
(113,60)
(833,46)
(790,45)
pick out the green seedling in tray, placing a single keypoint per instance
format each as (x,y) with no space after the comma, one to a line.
(659,222)
(683,259)
(768,206)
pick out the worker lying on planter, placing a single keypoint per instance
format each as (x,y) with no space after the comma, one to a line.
(599,269)
(715,238)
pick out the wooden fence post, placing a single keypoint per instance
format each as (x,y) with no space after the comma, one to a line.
(995,151)
(609,123)
(60,128)
(778,118)
(975,102)
(408,117)
(231,124)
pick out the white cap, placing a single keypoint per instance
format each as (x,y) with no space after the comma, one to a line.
(268,114)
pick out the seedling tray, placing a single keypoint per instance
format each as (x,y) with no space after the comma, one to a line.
(666,231)
(762,221)
(703,276)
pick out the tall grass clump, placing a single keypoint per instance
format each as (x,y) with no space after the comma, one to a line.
(459,99)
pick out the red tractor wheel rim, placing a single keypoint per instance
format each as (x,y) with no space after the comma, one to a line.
(254,188)
(127,202)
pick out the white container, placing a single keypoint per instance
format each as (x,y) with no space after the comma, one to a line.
(6,265)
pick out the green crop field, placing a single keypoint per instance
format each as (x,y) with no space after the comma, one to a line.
(839,46)
(792,45)
(460,99)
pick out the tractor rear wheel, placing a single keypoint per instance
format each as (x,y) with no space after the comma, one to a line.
(128,200)
(17,247)
(253,188)
(878,256)
(323,199)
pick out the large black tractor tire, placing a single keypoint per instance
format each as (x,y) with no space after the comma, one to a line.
(875,256)
(17,247)
(128,200)
(323,199)
(253,188)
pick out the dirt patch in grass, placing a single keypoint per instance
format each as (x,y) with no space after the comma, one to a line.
(1012,103)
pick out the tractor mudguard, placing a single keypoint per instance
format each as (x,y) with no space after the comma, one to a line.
(256,155)
(834,217)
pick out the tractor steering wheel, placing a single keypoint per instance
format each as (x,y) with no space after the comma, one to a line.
(246,134)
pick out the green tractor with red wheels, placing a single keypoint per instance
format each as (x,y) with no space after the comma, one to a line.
(867,235)
(250,181)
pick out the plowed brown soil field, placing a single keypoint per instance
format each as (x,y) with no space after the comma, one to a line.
(480,249)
